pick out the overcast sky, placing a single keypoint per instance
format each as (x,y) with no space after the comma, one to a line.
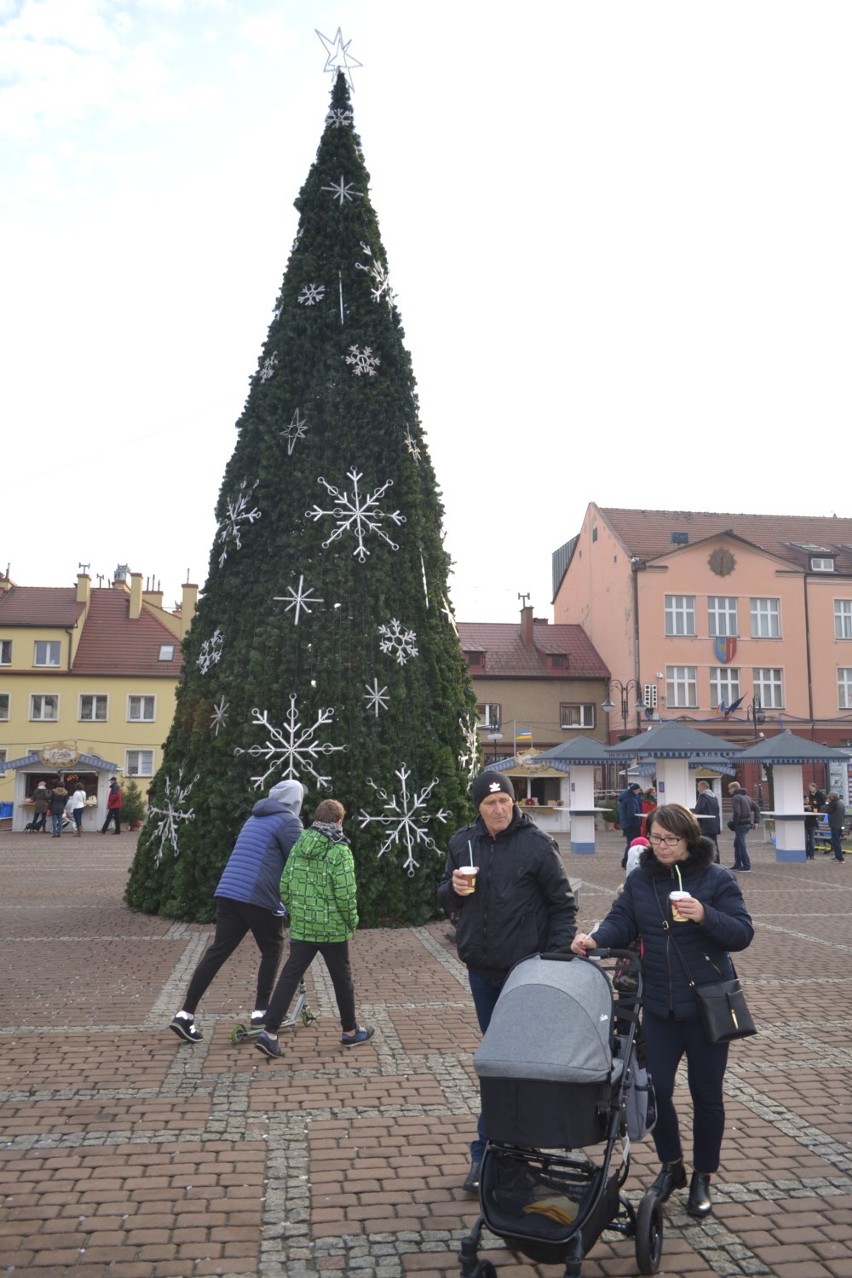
(618,234)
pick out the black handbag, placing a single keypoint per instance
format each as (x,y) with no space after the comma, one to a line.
(721,1004)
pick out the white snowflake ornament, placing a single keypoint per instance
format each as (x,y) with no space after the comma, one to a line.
(311,294)
(363,362)
(468,756)
(298,597)
(291,749)
(211,651)
(219,716)
(359,514)
(237,514)
(398,642)
(269,366)
(341,118)
(376,697)
(405,817)
(173,814)
(381,288)
(342,191)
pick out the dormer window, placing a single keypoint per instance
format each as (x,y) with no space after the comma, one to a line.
(557,660)
(821,564)
(475,660)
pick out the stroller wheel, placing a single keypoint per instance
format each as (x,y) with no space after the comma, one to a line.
(649,1234)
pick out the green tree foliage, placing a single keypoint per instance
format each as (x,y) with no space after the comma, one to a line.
(324,645)
(132,803)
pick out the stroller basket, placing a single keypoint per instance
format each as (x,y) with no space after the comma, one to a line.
(540,1203)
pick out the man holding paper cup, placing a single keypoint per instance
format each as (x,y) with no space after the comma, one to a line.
(505,880)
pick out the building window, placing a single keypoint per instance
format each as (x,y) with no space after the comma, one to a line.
(490,715)
(724,686)
(5,652)
(682,687)
(167,652)
(843,618)
(844,687)
(822,565)
(768,688)
(139,763)
(577,716)
(46,652)
(44,706)
(140,709)
(680,614)
(721,616)
(3,756)
(475,660)
(557,660)
(765,619)
(93,708)
(4,705)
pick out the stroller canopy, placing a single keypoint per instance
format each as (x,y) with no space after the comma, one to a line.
(553,1021)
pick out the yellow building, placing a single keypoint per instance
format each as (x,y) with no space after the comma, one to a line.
(87,687)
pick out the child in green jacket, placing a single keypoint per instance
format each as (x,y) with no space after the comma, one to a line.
(318,889)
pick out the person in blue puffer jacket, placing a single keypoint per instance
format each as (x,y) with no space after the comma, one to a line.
(248,900)
(713,920)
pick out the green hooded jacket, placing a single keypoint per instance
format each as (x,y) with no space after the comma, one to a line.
(318,888)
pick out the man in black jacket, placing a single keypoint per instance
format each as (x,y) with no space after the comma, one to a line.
(745,815)
(521,904)
(707,810)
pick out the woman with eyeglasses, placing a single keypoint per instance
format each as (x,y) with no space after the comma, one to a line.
(711,921)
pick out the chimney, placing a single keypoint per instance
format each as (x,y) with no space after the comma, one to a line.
(135,596)
(84,586)
(527,627)
(189,600)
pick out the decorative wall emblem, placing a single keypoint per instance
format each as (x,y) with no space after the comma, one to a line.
(722,562)
(725,649)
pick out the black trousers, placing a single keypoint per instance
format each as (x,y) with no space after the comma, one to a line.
(666,1042)
(112,813)
(335,955)
(234,919)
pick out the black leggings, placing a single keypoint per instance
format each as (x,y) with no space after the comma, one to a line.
(233,920)
(302,953)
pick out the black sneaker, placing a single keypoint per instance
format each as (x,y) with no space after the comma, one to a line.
(258,1020)
(186,1029)
(268,1045)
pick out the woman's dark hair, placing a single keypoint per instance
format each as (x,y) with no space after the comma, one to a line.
(676,819)
(330,811)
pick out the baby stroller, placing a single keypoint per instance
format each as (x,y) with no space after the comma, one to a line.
(559,1073)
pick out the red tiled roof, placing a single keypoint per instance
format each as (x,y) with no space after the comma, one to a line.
(507,656)
(647,534)
(112,644)
(40,606)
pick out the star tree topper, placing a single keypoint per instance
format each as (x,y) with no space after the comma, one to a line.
(338,57)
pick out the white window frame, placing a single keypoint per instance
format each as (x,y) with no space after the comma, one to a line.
(576,714)
(7,698)
(765,618)
(844,687)
(821,564)
(843,618)
(49,645)
(682,687)
(93,697)
(490,715)
(134,761)
(722,620)
(141,697)
(768,687)
(167,652)
(41,698)
(5,652)
(724,685)
(680,616)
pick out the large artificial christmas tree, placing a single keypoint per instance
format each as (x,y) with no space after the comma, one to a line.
(324,647)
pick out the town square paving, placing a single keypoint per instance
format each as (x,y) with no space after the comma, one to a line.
(125,1153)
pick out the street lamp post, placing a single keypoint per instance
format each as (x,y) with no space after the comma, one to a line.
(623,690)
(756,713)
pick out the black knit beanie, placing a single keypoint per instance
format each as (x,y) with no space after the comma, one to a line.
(490,783)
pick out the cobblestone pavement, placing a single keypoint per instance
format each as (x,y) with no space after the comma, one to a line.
(127,1154)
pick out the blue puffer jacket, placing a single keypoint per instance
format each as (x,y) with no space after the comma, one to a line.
(643,910)
(254,868)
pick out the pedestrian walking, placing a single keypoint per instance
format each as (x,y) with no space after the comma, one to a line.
(114,801)
(744,817)
(707,809)
(711,921)
(318,890)
(517,902)
(836,810)
(248,900)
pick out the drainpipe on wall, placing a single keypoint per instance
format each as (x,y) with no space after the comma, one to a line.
(635,565)
(808,657)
